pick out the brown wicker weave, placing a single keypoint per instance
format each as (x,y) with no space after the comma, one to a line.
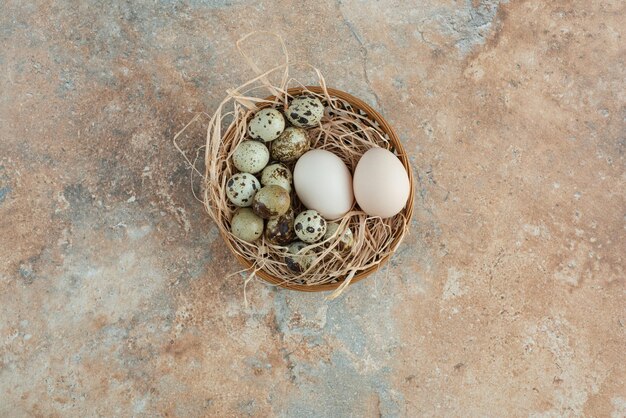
(396,148)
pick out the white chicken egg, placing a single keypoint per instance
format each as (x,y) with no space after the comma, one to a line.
(324,183)
(266,124)
(381,183)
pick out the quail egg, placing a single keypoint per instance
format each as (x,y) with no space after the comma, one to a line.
(241,188)
(246,225)
(277,174)
(310,226)
(279,229)
(305,111)
(271,201)
(290,145)
(347,238)
(266,124)
(251,156)
(297,261)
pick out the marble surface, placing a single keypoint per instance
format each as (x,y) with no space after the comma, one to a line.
(508,297)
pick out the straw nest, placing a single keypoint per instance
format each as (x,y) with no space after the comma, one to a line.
(348,129)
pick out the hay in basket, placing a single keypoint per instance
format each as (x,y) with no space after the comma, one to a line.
(348,129)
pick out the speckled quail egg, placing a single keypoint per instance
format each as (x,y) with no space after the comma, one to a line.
(266,124)
(246,225)
(277,174)
(279,229)
(271,201)
(241,188)
(251,156)
(347,238)
(305,111)
(298,261)
(290,145)
(310,226)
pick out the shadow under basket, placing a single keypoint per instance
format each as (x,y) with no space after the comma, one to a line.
(395,146)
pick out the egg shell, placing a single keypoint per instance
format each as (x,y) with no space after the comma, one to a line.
(246,225)
(305,111)
(381,183)
(279,229)
(310,226)
(251,156)
(266,124)
(277,174)
(290,145)
(296,260)
(347,238)
(271,201)
(241,188)
(324,183)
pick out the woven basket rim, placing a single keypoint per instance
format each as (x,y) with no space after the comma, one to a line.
(408,209)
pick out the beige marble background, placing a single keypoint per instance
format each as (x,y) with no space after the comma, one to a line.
(506,299)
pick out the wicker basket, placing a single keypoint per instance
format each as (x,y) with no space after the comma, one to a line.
(396,147)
